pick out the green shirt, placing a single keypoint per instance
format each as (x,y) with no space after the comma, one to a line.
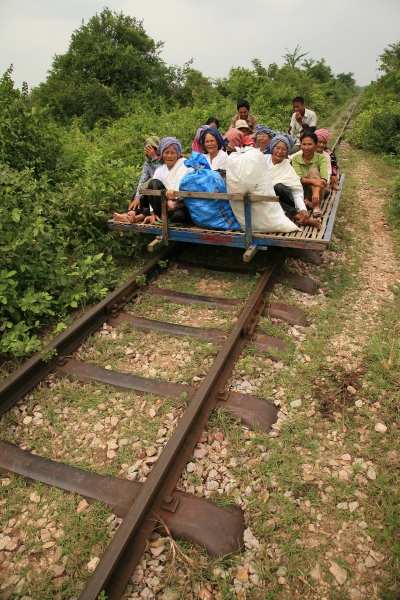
(318,161)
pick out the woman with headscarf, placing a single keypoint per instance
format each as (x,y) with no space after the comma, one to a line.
(214,147)
(138,209)
(234,139)
(312,168)
(286,182)
(196,144)
(323,136)
(168,177)
(263,136)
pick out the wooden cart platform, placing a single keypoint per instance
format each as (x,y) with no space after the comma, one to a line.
(307,238)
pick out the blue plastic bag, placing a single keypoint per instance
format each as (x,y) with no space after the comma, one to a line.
(211,214)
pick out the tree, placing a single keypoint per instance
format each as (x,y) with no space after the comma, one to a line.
(390,59)
(27,138)
(318,69)
(109,59)
(346,78)
(259,69)
(293,58)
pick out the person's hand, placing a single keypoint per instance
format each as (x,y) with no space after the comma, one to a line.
(319,182)
(134,204)
(170,195)
(299,117)
(303,217)
(151,219)
(150,151)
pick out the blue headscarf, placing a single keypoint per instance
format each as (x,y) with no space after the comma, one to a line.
(264,129)
(169,141)
(214,131)
(281,137)
(268,131)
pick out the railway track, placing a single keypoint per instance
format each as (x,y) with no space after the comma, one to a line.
(154,504)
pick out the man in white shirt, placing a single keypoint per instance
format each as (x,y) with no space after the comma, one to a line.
(302,119)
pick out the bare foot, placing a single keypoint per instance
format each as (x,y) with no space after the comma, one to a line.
(133,218)
(121,217)
(316,207)
(307,220)
(336,187)
(314,223)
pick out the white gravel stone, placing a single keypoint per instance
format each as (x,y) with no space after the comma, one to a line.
(369,562)
(380,428)
(371,473)
(92,564)
(212,485)
(315,573)
(355,594)
(295,404)
(353,506)
(339,574)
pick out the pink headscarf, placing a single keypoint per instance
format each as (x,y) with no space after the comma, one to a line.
(234,137)
(323,133)
(196,145)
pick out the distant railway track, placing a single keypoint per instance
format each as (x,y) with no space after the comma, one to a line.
(155,503)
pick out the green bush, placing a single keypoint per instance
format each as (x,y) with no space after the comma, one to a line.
(27,137)
(377,126)
(49,247)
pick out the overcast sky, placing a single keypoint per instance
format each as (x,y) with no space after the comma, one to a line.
(218,34)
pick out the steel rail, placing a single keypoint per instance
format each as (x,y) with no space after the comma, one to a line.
(16,385)
(339,137)
(117,563)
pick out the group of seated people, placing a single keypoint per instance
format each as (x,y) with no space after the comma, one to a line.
(302,169)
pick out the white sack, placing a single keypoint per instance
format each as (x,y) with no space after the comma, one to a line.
(247,173)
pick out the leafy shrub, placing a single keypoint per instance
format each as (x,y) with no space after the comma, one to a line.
(49,247)
(27,137)
(377,127)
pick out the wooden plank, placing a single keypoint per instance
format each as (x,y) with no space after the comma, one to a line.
(326,215)
(250,252)
(208,196)
(332,216)
(156,244)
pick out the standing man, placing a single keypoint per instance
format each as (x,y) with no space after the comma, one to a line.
(243,108)
(302,119)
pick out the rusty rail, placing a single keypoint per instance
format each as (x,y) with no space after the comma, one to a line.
(14,387)
(117,563)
